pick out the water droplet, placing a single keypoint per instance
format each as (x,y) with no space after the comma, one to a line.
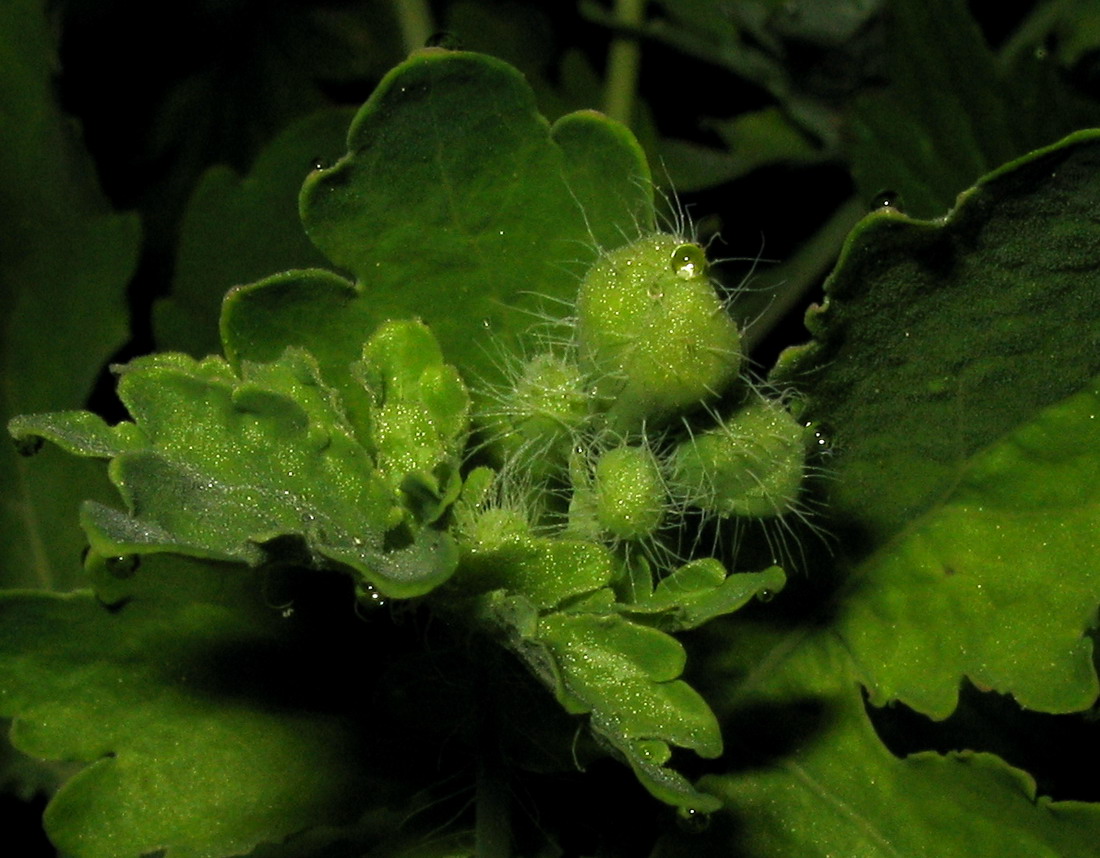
(319,164)
(692,821)
(688,260)
(122,566)
(765,595)
(887,200)
(28,445)
(368,596)
(444,39)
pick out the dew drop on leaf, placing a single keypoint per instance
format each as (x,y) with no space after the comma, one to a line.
(123,566)
(368,596)
(765,595)
(319,164)
(887,201)
(692,821)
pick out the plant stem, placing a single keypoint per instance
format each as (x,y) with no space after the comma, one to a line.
(622,61)
(492,825)
(492,822)
(414,18)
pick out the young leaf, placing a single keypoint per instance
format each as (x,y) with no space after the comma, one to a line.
(699,591)
(218,466)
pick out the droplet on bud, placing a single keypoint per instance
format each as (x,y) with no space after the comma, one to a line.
(688,260)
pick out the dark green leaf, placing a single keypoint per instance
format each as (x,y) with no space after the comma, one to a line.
(955,371)
(64,263)
(239,229)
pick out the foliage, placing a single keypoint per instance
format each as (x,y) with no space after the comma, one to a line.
(456,518)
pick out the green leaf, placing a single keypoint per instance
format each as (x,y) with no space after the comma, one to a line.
(956,371)
(65,259)
(220,467)
(239,229)
(998,581)
(826,785)
(951,112)
(701,590)
(501,554)
(625,676)
(205,728)
(456,202)
(421,408)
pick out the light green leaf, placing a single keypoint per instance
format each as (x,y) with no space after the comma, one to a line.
(826,785)
(218,466)
(450,146)
(421,409)
(701,590)
(626,677)
(205,729)
(501,554)
(958,364)
(998,582)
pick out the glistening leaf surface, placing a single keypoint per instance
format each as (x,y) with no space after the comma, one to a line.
(955,369)
(823,784)
(217,466)
(459,203)
(207,722)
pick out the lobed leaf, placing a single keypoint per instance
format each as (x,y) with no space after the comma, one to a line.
(824,784)
(456,202)
(626,677)
(205,721)
(962,412)
(238,229)
(221,467)
(701,590)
